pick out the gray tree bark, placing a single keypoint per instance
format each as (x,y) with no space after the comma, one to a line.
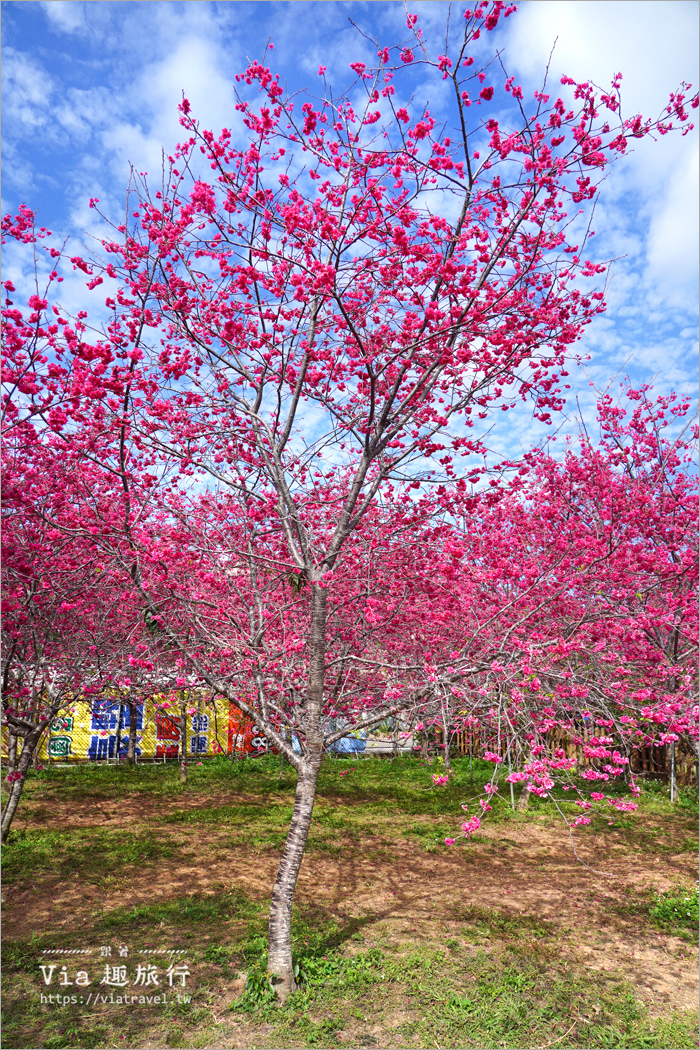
(183,739)
(524,800)
(280,966)
(446,759)
(17,786)
(11,753)
(280,923)
(131,749)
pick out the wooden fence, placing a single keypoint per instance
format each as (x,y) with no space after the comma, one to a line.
(652,763)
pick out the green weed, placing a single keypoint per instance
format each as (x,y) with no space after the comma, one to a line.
(498,979)
(258,990)
(184,913)
(91,851)
(501,925)
(676,911)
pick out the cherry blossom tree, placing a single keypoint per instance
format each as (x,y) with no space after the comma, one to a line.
(298,357)
(587,570)
(61,642)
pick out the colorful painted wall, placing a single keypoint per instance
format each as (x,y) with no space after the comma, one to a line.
(95,732)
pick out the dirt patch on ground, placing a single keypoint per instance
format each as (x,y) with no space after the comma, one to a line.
(518,870)
(57,812)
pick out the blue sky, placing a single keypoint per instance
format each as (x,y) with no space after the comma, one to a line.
(90,87)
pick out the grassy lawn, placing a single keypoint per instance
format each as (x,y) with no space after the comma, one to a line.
(506,941)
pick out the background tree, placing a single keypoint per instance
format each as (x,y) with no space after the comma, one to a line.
(61,627)
(585,570)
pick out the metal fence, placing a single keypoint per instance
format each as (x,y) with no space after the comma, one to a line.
(198,727)
(167,728)
(106,730)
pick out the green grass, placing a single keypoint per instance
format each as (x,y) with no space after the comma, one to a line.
(93,852)
(495,995)
(488,996)
(677,912)
(492,978)
(182,912)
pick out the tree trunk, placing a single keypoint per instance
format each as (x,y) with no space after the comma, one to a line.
(280,924)
(17,785)
(118,741)
(183,739)
(524,800)
(279,965)
(446,760)
(131,749)
(11,753)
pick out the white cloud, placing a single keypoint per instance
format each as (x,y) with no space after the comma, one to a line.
(597,38)
(672,255)
(194,67)
(125,110)
(647,216)
(26,89)
(65,15)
